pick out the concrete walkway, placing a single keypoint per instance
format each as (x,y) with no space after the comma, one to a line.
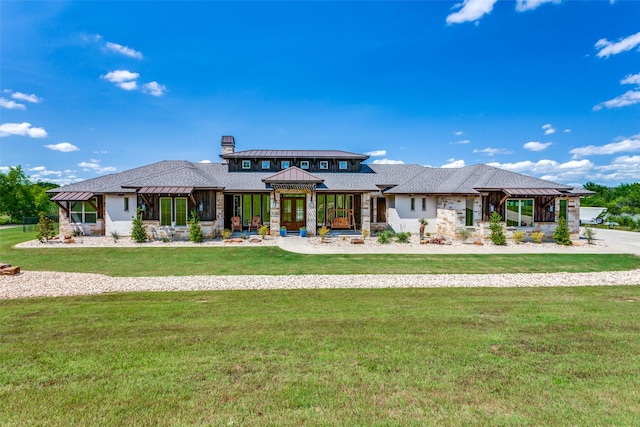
(606,242)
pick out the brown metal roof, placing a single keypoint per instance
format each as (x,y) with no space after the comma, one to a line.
(531,191)
(294,154)
(73,196)
(292,174)
(166,190)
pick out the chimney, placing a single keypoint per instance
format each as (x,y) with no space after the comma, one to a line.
(228,146)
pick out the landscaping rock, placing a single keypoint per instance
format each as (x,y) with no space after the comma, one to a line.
(357,241)
(234,240)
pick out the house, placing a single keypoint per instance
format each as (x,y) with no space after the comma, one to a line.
(314,188)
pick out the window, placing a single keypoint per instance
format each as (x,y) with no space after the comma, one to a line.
(304,164)
(168,207)
(126,204)
(84,211)
(343,164)
(246,164)
(266,164)
(413,203)
(562,214)
(324,164)
(519,212)
(285,164)
(468,213)
(424,203)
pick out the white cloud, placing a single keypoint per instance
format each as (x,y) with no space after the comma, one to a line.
(28,98)
(470,10)
(567,131)
(64,147)
(462,141)
(21,129)
(608,48)
(630,144)
(123,50)
(631,79)
(458,133)
(493,151)
(93,165)
(548,129)
(524,5)
(572,171)
(630,97)
(4,169)
(376,153)
(37,169)
(388,162)
(453,163)
(11,105)
(154,88)
(204,161)
(536,146)
(124,79)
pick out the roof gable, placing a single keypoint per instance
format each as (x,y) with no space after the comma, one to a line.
(292,174)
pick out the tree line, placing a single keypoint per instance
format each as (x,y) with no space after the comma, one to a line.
(620,200)
(19,197)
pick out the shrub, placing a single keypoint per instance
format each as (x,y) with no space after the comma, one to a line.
(562,236)
(195,230)
(323,232)
(403,237)
(138,233)
(365,233)
(226,233)
(384,237)
(464,234)
(589,234)
(537,236)
(44,228)
(517,237)
(497,235)
(115,236)
(263,230)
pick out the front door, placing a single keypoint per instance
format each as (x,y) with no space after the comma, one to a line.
(293,211)
(382,210)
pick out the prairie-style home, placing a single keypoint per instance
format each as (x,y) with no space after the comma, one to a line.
(311,189)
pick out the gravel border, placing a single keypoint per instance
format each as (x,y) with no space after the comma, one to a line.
(29,284)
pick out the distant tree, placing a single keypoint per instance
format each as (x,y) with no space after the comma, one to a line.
(19,197)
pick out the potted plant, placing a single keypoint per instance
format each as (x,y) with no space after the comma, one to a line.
(283,231)
(303,231)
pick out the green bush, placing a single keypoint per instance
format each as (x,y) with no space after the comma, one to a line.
(497,235)
(138,233)
(44,229)
(263,231)
(517,237)
(385,237)
(5,219)
(226,233)
(537,236)
(195,230)
(562,236)
(464,234)
(403,237)
(323,232)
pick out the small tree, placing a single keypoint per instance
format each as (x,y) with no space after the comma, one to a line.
(497,235)
(589,234)
(195,231)
(44,229)
(423,225)
(138,233)
(562,235)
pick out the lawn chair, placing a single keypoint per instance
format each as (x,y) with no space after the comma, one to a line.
(256,222)
(236,224)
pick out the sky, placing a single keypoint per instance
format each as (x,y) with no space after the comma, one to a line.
(547,88)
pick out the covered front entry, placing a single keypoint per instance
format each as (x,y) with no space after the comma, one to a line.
(293,211)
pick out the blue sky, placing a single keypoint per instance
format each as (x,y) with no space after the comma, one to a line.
(546,88)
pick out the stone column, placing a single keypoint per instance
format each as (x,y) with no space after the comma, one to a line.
(219,223)
(274,213)
(366,213)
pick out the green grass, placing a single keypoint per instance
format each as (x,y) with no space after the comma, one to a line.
(180,261)
(520,356)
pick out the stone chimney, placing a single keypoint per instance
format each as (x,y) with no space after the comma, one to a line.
(228,146)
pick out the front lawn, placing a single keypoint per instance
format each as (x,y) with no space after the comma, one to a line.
(483,356)
(181,261)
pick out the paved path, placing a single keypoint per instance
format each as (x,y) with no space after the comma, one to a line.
(607,242)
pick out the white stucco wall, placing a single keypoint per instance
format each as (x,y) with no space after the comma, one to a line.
(402,218)
(116,218)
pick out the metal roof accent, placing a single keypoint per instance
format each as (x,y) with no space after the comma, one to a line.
(531,191)
(72,196)
(292,174)
(166,190)
(295,154)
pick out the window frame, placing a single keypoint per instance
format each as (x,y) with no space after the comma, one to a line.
(413,204)
(126,204)
(266,164)
(285,164)
(519,222)
(246,164)
(343,165)
(304,164)
(83,212)
(324,164)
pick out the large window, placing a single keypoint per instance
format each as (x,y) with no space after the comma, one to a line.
(84,211)
(562,213)
(519,212)
(173,211)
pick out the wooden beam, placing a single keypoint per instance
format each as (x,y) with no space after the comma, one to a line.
(504,199)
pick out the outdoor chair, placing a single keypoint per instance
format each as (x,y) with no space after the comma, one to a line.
(236,224)
(256,222)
